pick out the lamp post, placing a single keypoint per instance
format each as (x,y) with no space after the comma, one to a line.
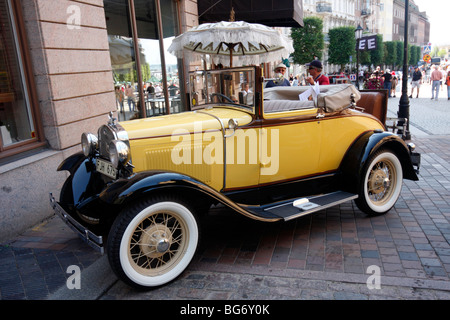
(403,108)
(358,35)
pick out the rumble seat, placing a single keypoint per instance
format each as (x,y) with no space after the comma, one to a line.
(374,102)
(331,98)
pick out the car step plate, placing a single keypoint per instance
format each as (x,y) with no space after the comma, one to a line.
(303,206)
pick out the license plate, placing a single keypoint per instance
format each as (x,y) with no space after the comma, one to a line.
(106,168)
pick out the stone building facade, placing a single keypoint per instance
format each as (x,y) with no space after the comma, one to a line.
(56,82)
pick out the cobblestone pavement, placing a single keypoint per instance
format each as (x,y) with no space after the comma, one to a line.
(330,255)
(427,117)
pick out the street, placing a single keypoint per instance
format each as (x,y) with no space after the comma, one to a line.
(335,254)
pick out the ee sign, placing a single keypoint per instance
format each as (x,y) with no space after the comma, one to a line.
(366,43)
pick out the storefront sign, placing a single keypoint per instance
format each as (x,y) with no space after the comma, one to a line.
(366,43)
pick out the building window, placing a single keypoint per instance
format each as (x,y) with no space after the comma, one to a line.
(19,129)
(150,82)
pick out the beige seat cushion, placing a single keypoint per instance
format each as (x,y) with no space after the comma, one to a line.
(331,97)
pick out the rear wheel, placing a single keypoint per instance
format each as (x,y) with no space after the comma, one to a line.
(152,242)
(381,183)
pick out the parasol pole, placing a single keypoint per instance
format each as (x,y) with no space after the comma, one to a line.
(230,45)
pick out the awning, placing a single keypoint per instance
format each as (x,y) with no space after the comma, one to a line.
(272,13)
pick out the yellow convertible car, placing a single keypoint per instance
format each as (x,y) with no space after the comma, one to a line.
(138,190)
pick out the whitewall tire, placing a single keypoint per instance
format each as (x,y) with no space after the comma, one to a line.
(153,242)
(381,183)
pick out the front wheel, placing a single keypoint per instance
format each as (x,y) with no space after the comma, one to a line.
(381,183)
(152,242)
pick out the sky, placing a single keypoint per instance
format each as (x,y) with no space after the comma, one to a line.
(438,12)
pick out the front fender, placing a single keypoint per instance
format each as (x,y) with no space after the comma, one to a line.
(143,184)
(355,159)
(83,181)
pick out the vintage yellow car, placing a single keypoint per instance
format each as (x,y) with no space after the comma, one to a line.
(138,190)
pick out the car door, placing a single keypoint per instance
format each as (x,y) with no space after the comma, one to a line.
(290,145)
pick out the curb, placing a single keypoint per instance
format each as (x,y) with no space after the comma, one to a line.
(97,279)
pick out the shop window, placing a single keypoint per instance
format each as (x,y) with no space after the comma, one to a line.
(147,83)
(18,129)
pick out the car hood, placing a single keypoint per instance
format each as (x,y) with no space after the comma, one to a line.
(193,121)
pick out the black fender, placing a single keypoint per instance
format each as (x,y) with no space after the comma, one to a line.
(148,183)
(87,193)
(72,163)
(83,181)
(363,147)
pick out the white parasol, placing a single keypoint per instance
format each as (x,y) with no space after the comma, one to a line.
(229,43)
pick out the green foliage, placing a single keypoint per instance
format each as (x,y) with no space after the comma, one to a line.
(400,53)
(377,56)
(364,58)
(390,53)
(308,41)
(435,51)
(442,53)
(414,56)
(342,45)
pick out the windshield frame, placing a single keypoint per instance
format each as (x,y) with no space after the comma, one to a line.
(208,88)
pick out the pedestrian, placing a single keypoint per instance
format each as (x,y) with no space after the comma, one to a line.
(443,77)
(131,98)
(394,83)
(387,81)
(119,98)
(280,80)
(448,84)
(315,70)
(416,81)
(435,78)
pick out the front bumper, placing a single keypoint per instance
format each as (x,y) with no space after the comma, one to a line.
(86,235)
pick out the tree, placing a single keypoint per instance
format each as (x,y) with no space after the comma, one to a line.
(342,45)
(376,56)
(442,53)
(308,41)
(400,53)
(415,55)
(390,53)
(435,51)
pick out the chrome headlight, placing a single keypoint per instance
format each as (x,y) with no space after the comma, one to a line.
(89,144)
(119,153)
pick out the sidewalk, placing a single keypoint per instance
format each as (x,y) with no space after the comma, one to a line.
(35,264)
(321,256)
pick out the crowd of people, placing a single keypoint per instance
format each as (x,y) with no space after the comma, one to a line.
(128,93)
(315,68)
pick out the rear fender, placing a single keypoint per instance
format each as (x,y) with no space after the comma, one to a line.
(355,159)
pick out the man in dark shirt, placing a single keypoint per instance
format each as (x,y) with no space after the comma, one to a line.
(416,81)
(387,81)
(315,70)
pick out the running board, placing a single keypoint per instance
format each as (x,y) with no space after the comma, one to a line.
(303,206)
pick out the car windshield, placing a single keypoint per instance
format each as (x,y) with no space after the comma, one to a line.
(233,87)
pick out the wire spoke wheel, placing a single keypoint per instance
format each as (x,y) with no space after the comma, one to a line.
(157,243)
(381,180)
(381,183)
(152,242)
